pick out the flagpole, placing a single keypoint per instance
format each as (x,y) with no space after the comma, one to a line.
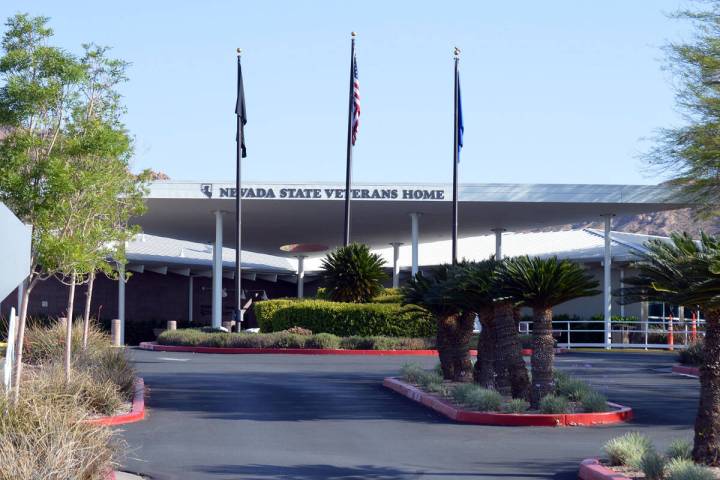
(348,166)
(238,210)
(455,162)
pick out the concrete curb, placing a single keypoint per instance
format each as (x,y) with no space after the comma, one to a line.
(154,346)
(442,406)
(592,469)
(686,370)
(137,413)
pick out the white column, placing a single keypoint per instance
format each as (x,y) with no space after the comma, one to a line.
(301,276)
(622,285)
(396,264)
(498,243)
(121,301)
(190,298)
(607,283)
(217,271)
(415,233)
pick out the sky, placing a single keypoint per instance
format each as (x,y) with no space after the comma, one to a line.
(562,91)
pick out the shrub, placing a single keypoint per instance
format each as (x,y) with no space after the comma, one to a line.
(484,400)
(681,469)
(389,295)
(462,393)
(298,331)
(554,404)
(322,340)
(680,448)
(411,372)
(516,405)
(652,465)
(347,319)
(264,311)
(593,402)
(627,449)
(40,439)
(46,343)
(109,365)
(692,355)
(431,381)
(353,274)
(573,388)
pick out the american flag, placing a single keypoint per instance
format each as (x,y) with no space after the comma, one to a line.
(356,102)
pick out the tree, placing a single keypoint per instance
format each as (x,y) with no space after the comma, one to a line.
(542,283)
(434,291)
(685,272)
(64,151)
(353,274)
(691,153)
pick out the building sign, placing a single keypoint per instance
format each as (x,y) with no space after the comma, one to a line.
(282,192)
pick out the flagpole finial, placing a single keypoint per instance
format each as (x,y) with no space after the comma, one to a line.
(457,52)
(353,34)
(239,52)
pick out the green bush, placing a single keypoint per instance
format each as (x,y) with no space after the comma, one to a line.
(692,355)
(680,448)
(322,340)
(680,469)
(516,405)
(462,393)
(652,465)
(265,310)
(554,404)
(628,449)
(594,402)
(353,274)
(484,400)
(411,372)
(346,319)
(572,388)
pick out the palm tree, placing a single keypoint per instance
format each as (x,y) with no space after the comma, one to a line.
(433,290)
(353,274)
(686,272)
(542,283)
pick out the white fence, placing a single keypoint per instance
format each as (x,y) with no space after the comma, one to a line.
(655,333)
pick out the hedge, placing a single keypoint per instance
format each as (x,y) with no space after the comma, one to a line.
(197,338)
(345,319)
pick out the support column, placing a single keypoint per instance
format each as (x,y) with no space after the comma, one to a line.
(396,264)
(415,233)
(301,276)
(190,298)
(622,285)
(217,271)
(498,243)
(607,282)
(121,301)
(644,310)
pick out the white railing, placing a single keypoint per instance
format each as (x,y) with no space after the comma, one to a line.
(655,333)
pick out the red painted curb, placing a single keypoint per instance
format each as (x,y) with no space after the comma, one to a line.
(137,413)
(592,469)
(154,346)
(686,370)
(110,475)
(442,406)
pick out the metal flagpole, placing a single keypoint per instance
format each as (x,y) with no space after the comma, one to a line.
(348,167)
(455,162)
(240,115)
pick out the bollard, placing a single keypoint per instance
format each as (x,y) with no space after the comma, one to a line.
(671,336)
(115,332)
(172,325)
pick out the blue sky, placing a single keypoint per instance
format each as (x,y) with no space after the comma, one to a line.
(565,91)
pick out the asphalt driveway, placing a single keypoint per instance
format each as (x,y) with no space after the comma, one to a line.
(298,417)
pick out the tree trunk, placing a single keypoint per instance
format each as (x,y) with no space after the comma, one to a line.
(509,351)
(86,316)
(445,325)
(19,343)
(707,423)
(484,373)
(68,327)
(541,362)
(462,364)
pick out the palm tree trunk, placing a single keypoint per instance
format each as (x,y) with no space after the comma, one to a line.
(86,315)
(445,326)
(509,352)
(484,373)
(68,327)
(707,423)
(541,362)
(462,364)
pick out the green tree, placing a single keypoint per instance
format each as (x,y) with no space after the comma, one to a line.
(542,283)
(691,153)
(686,272)
(353,274)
